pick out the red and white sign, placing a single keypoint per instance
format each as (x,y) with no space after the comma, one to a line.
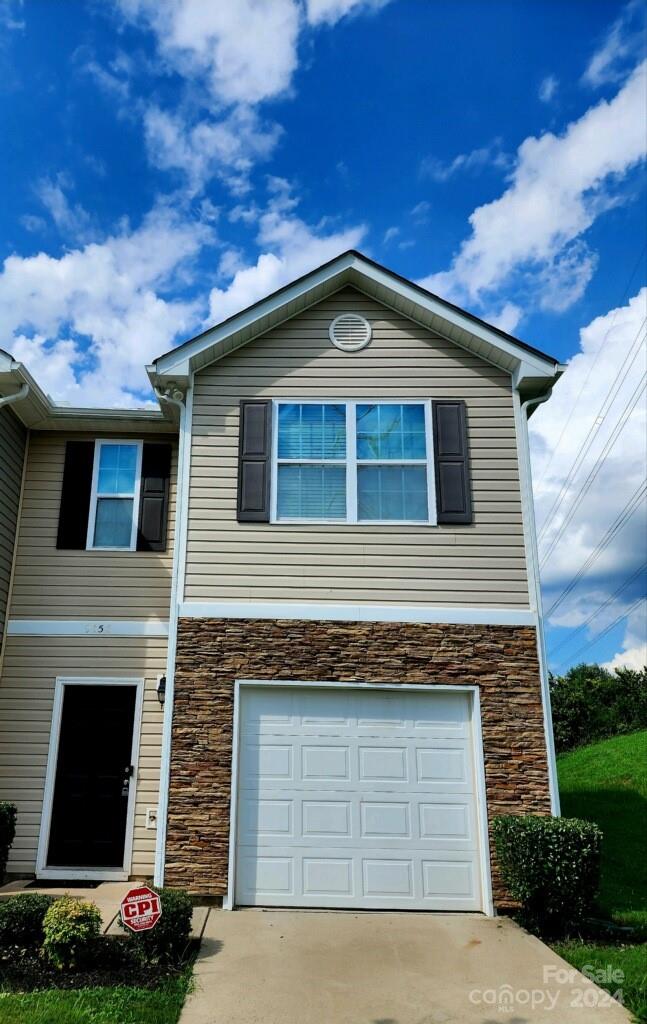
(141,909)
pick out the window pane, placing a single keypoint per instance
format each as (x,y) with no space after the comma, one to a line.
(392,492)
(113,523)
(312,431)
(117,469)
(391,432)
(311,492)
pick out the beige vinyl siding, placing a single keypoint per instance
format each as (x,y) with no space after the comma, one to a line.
(31,666)
(13,440)
(55,584)
(478,565)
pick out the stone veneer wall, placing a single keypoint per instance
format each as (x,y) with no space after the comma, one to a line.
(213,653)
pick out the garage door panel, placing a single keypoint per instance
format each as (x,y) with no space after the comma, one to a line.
(359,821)
(358,799)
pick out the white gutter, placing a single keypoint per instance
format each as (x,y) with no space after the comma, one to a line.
(178,556)
(532,553)
(19,395)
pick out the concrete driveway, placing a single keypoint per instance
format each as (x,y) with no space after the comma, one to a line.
(323,967)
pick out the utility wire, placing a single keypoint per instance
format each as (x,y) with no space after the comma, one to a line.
(593,364)
(594,614)
(597,466)
(619,522)
(607,629)
(603,412)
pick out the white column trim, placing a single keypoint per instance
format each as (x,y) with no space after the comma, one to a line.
(177,595)
(534,587)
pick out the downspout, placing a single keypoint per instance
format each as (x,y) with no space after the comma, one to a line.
(173,397)
(9,400)
(535,588)
(19,395)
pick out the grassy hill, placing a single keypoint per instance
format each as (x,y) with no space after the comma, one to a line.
(606,782)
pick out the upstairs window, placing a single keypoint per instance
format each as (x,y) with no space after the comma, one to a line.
(114,501)
(353,462)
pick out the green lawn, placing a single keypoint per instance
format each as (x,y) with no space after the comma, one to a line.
(123,1005)
(607,783)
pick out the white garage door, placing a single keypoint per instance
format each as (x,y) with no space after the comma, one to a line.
(356,798)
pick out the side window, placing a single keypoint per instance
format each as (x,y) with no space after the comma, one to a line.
(115,495)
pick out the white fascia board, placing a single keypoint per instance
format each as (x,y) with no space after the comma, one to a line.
(357,613)
(179,361)
(453,316)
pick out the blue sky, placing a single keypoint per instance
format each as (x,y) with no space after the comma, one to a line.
(167,163)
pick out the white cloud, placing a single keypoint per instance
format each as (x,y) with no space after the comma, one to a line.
(632,657)
(610,362)
(227,149)
(548,88)
(420,212)
(559,185)
(474,161)
(390,234)
(87,323)
(246,51)
(290,248)
(70,218)
(623,45)
(329,12)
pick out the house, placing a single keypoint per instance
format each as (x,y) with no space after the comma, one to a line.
(334,646)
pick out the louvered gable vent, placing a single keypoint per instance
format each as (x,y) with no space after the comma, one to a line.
(350,332)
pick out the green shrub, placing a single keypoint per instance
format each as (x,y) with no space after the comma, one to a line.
(7,833)
(72,928)
(589,703)
(168,940)
(21,919)
(551,865)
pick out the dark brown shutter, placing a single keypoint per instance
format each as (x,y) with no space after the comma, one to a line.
(451,452)
(75,496)
(254,456)
(153,497)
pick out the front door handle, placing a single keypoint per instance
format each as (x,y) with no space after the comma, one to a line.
(129,771)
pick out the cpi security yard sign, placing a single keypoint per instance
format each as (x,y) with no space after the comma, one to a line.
(141,909)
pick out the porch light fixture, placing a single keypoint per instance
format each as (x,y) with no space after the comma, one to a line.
(161,690)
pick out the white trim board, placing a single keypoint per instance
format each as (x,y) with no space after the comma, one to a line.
(358,613)
(87,627)
(477,749)
(106,874)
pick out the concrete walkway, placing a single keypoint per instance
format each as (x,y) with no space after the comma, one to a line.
(304,967)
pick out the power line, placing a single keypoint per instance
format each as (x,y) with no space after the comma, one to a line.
(603,412)
(597,466)
(607,629)
(600,608)
(593,364)
(619,522)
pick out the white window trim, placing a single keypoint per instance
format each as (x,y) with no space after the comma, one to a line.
(351,463)
(77,871)
(98,445)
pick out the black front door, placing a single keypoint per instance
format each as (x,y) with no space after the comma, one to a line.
(93,771)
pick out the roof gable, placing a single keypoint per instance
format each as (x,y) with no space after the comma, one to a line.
(532,370)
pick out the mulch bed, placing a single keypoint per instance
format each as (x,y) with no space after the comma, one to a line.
(24,970)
